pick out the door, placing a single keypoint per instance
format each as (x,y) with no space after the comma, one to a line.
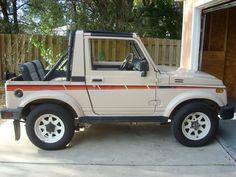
(114,91)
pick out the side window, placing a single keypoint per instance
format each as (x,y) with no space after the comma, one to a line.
(111,54)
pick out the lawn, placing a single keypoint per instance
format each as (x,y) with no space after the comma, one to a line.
(2,101)
(2,96)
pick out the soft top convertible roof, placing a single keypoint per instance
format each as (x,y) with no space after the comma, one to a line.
(109,33)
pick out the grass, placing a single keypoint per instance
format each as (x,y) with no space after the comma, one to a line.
(2,90)
(2,95)
(2,101)
(2,104)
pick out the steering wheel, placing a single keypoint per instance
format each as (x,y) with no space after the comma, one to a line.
(126,61)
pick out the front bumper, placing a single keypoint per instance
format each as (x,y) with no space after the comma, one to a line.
(227,112)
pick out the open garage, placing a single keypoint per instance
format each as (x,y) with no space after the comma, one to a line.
(218,48)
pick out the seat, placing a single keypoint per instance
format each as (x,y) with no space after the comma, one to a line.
(39,69)
(29,72)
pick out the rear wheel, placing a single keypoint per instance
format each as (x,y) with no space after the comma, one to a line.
(195,124)
(50,127)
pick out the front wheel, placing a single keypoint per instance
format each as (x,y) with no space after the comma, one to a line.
(195,124)
(50,127)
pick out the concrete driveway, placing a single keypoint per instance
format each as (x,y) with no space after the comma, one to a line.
(114,150)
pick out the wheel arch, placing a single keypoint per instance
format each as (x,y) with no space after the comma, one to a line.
(205,96)
(209,102)
(51,97)
(27,108)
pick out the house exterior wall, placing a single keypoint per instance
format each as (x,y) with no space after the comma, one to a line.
(186,33)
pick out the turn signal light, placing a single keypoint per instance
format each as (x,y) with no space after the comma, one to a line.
(220,90)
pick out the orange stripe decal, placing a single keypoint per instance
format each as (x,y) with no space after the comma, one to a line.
(196,87)
(98,87)
(137,87)
(112,87)
(35,87)
(75,87)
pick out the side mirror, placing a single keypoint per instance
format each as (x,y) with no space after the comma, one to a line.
(144,68)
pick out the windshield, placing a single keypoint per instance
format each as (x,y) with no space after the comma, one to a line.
(136,50)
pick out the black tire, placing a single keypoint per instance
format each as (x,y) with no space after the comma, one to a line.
(195,124)
(41,128)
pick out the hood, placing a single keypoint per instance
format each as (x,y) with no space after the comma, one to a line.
(189,77)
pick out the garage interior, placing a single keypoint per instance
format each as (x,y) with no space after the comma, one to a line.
(218,44)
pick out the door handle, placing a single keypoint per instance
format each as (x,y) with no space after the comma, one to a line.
(96,79)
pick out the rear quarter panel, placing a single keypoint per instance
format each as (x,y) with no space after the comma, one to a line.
(71,93)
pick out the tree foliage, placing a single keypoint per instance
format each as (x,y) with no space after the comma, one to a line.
(155,18)
(43,16)
(114,15)
(8,17)
(159,18)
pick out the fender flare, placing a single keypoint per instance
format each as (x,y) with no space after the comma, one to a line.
(191,95)
(53,95)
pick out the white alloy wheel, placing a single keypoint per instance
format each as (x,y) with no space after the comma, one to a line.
(49,128)
(196,126)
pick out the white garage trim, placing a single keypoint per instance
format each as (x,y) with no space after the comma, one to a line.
(208,3)
(220,7)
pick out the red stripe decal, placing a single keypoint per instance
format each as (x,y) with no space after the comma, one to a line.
(35,87)
(92,87)
(112,87)
(137,87)
(75,87)
(195,87)
(98,87)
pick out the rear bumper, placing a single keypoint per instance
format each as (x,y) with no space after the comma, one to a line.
(14,114)
(227,112)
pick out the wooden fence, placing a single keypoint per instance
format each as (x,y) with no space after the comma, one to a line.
(164,51)
(16,49)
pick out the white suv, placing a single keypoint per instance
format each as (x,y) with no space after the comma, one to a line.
(90,85)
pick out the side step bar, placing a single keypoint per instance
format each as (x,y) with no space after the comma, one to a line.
(117,119)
